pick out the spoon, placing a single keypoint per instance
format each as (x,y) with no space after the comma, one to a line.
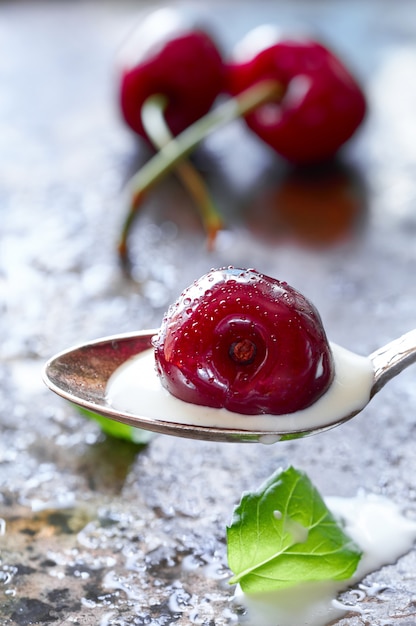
(80,375)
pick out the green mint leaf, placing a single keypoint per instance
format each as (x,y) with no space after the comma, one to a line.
(284,534)
(116,429)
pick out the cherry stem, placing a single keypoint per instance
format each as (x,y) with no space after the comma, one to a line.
(158,131)
(172,153)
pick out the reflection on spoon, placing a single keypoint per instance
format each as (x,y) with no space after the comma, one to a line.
(87,376)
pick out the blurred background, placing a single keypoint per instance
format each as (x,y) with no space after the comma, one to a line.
(95,529)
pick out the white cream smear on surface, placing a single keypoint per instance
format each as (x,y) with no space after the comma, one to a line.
(135,388)
(378,528)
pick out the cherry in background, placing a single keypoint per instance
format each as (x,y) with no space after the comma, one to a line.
(295,94)
(321,104)
(171,72)
(169,55)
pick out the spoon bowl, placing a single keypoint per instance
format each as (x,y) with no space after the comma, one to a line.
(80,375)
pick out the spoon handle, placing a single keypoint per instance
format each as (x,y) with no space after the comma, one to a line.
(392,359)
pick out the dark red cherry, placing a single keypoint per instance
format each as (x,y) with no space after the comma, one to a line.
(244,341)
(322,103)
(169,54)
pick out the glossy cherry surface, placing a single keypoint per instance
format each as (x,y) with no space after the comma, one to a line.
(244,341)
(322,105)
(167,55)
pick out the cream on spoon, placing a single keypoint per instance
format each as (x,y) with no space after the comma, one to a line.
(240,356)
(135,388)
(81,375)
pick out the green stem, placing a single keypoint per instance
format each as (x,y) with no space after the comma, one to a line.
(157,130)
(178,148)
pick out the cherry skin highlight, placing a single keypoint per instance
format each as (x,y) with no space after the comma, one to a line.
(168,55)
(322,106)
(246,342)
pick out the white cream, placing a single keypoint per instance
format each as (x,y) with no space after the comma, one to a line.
(135,388)
(383,534)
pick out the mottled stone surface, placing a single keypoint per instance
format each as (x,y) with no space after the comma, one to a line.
(99,531)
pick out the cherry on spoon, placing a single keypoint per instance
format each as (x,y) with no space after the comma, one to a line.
(80,375)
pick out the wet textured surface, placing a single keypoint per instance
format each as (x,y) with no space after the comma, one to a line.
(99,531)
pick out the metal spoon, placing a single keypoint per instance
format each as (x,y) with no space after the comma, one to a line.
(80,375)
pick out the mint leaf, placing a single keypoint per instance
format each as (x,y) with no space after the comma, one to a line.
(117,429)
(283,534)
